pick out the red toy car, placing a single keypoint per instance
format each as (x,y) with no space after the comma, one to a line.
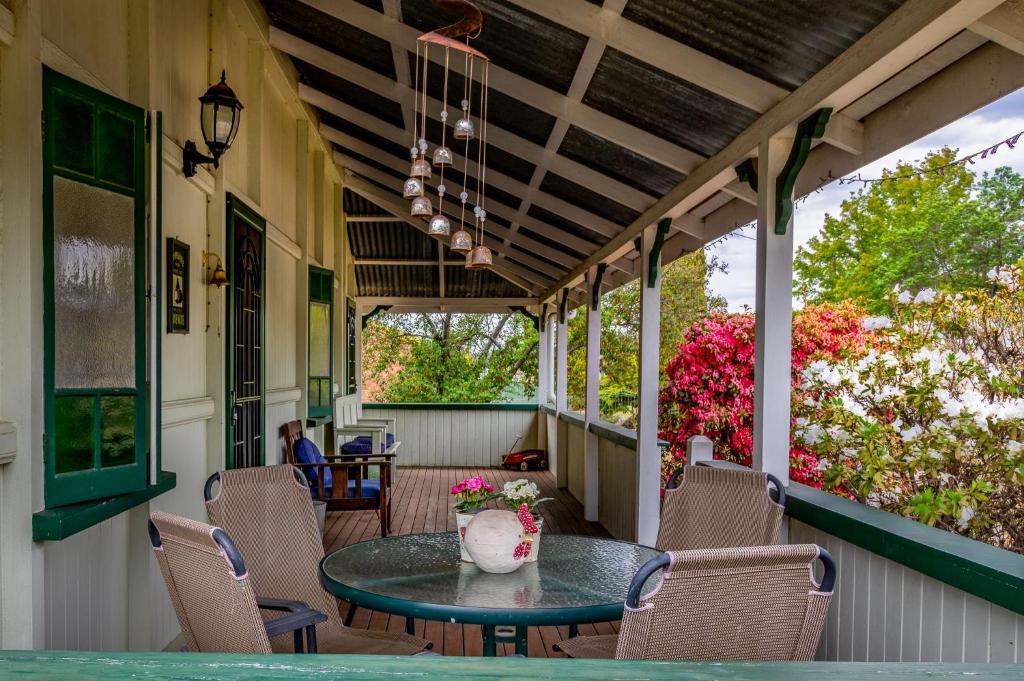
(528,459)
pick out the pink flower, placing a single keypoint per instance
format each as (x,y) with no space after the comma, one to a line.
(474,483)
(488,488)
(459,488)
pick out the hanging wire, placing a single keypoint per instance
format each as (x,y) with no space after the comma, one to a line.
(465,160)
(416,101)
(444,129)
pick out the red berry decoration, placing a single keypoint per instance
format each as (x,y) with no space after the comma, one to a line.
(526,518)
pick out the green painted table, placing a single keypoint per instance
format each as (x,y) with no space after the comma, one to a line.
(57,666)
(575,580)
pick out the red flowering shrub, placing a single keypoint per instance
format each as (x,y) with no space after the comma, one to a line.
(709,387)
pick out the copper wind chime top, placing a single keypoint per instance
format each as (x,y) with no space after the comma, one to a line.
(452,42)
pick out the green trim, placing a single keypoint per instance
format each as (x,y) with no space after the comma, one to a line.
(562,304)
(548,409)
(373,313)
(572,417)
(988,572)
(441,612)
(59,523)
(42,665)
(235,206)
(810,128)
(157,395)
(747,172)
(654,258)
(96,482)
(317,421)
(453,406)
(595,286)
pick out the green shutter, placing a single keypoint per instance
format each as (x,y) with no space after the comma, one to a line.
(94,203)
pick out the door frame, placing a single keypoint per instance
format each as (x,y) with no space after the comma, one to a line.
(237,208)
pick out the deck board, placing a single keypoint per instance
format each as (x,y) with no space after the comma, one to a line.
(421,503)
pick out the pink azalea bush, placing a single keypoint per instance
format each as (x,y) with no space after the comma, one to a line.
(709,387)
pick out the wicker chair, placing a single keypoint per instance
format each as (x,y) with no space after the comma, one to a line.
(753,603)
(268,512)
(720,506)
(212,596)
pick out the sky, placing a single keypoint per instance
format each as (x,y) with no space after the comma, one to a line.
(994,123)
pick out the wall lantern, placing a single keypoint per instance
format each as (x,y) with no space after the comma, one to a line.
(219,114)
(218,277)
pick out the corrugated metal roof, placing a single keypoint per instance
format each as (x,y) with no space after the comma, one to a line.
(516,39)
(462,283)
(666,106)
(371,102)
(325,31)
(389,240)
(782,41)
(624,165)
(391,280)
(354,204)
(566,189)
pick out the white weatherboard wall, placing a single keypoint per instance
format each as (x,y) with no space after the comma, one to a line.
(100,589)
(885,612)
(459,436)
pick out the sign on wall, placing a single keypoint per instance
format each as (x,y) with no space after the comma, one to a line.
(177,286)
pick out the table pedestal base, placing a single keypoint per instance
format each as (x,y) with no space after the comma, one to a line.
(495,634)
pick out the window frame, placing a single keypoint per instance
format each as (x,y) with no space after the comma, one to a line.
(320,410)
(96,482)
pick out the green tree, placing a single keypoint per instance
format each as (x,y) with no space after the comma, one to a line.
(684,299)
(449,358)
(942,230)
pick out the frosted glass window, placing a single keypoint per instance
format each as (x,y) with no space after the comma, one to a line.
(93,286)
(319,339)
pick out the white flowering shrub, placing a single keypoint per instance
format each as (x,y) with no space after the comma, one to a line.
(930,423)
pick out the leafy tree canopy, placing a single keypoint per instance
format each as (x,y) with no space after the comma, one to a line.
(945,230)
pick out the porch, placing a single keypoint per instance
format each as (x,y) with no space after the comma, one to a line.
(300,234)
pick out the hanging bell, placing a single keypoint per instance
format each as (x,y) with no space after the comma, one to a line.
(442,156)
(439,226)
(464,129)
(462,242)
(412,188)
(479,258)
(421,206)
(421,169)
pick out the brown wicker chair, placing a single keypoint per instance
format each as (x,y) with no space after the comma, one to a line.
(213,598)
(269,514)
(753,603)
(718,506)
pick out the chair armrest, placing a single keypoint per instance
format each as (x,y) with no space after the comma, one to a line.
(358,457)
(300,618)
(360,430)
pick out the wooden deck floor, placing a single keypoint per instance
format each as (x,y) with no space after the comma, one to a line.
(422,504)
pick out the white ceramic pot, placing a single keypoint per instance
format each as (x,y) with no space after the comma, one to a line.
(535,548)
(462,519)
(491,540)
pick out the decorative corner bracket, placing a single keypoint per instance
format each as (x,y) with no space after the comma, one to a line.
(747,172)
(810,128)
(543,318)
(654,257)
(526,313)
(562,304)
(373,313)
(595,288)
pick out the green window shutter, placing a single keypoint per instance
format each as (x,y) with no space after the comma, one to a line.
(320,394)
(95,383)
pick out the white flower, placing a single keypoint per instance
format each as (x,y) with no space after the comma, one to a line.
(925,296)
(812,434)
(911,432)
(876,323)
(966,513)
(905,298)
(520,490)
(1014,447)
(824,465)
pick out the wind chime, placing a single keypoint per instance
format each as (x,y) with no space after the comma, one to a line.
(453,41)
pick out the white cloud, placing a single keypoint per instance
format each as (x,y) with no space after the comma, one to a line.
(993,123)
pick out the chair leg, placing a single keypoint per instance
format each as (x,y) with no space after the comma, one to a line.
(350,615)
(383,522)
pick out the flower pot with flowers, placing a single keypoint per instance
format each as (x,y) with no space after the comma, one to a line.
(471,495)
(519,493)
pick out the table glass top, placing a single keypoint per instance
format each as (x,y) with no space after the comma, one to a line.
(571,572)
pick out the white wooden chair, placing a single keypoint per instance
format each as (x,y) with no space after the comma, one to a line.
(348,426)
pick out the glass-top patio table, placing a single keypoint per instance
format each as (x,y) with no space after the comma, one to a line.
(574,581)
